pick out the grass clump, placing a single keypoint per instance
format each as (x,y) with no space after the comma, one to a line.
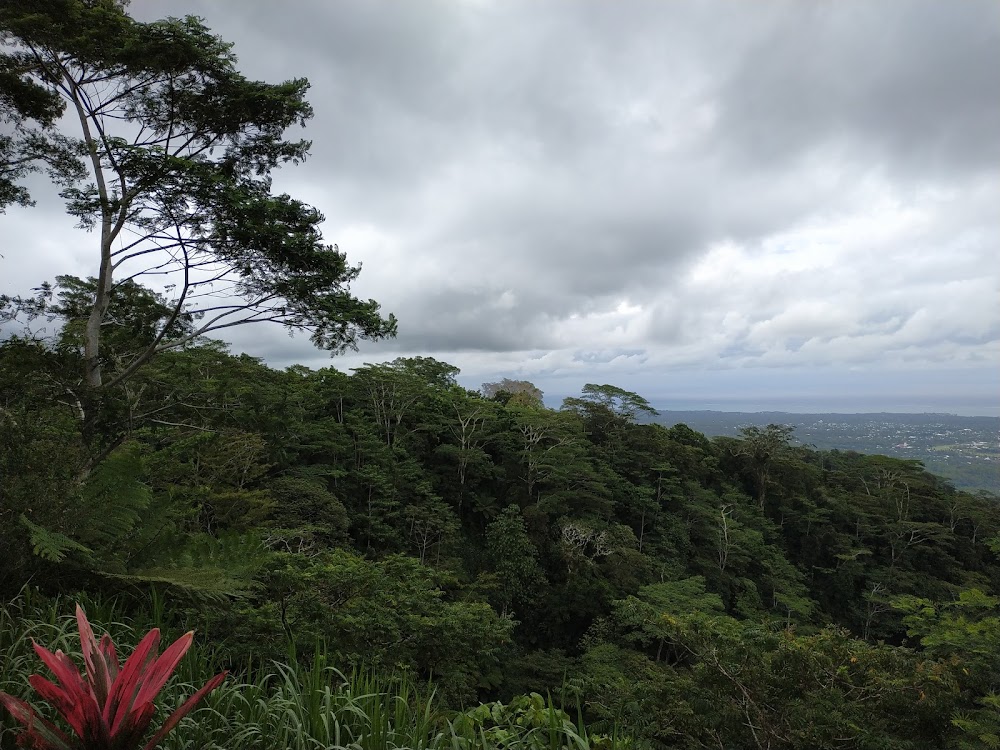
(305,704)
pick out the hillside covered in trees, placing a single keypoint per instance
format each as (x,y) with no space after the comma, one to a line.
(736,592)
(483,571)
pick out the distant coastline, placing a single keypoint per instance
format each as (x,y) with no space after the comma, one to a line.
(978,405)
(964,449)
(982,413)
(815,408)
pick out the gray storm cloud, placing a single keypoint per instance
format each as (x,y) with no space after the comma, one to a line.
(615,189)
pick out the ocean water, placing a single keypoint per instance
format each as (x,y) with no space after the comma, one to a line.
(869,405)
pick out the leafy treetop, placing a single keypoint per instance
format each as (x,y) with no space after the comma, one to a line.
(170,165)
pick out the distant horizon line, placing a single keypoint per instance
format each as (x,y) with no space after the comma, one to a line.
(822,413)
(803,407)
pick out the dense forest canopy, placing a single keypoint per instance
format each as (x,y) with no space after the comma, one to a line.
(680,592)
(685,589)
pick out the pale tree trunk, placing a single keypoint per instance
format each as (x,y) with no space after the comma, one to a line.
(92,375)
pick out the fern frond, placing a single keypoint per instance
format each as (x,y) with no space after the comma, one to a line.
(207,566)
(51,545)
(214,584)
(114,496)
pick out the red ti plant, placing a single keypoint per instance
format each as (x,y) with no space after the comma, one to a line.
(111,707)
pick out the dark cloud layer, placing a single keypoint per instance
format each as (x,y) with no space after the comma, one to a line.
(607,191)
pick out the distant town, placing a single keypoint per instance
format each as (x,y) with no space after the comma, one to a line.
(965,450)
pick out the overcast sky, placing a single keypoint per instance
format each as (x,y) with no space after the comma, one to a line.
(726,204)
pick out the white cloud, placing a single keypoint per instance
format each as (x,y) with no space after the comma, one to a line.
(735,189)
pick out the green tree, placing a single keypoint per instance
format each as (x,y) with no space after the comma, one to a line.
(469,424)
(645,620)
(178,149)
(397,393)
(608,413)
(622,404)
(964,633)
(27,110)
(388,613)
(760,448)
(737,684)
(514,559)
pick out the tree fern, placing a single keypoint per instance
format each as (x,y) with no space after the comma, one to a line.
(105,509)
(204,566)
(51,545)
(111,509)
(114,496)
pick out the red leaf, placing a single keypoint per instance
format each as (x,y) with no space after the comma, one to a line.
(97,668)
(62,667)
(158,674)
(110,656)
(123,690)
(68,704)
(83,712)
(96,734)
(43,734)
(185,709)
(113,706)
(134,726)
(17,707)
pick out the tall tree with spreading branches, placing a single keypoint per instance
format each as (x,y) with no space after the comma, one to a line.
(164,153)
